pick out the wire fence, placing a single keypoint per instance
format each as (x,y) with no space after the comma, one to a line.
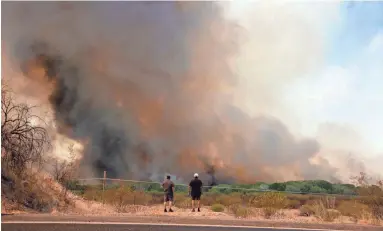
(152,186)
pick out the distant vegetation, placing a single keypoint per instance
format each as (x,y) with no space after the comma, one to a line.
(299,187)
(312,187)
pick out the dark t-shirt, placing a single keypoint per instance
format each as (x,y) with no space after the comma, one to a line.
(196,185)
(168,187)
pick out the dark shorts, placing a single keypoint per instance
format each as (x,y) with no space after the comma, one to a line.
(168,197)
(196,196)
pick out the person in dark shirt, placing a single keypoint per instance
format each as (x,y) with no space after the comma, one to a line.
(168,187)
(195,190)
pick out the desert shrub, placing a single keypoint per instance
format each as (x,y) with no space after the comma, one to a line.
(301,198)
(217,208)
(270,199)
(293,204)
(32,196)
(372,197)
(247,197)
(330,215)
(240,211)
(183,204)
(182,201)
(271,203)
(230,199)
(140,198)
(157,197)
(324,214)
(209,198)
(353,209)
(27,192)
(268,212)
(328,202)
(306,210)
(120,198)
(93,194)
(313,202)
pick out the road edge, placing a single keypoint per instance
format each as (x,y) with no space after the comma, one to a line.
(176,221)
(160,224)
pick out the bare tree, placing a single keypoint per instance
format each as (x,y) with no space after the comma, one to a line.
(63,170)
(361,180)
(23,141)
(373,194)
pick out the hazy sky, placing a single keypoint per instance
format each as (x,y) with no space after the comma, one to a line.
(340,48)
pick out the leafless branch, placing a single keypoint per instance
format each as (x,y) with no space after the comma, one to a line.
(23,141)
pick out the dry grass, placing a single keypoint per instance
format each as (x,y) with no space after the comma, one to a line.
(320,211)
(122,197)
(270,204)
(293,204)
(93,194)
(270,199)
(217,208)
(209,199)
(268,212)
(354,209)
(240,211)
(306,210)
(35,191)
(226,200)
(182,201)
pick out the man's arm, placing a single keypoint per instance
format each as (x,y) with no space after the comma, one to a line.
(190,187)
(173,188)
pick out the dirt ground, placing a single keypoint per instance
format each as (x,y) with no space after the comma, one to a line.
(84,208)
(93,211)
(80,206)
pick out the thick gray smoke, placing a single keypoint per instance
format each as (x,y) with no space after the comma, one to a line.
(146,87)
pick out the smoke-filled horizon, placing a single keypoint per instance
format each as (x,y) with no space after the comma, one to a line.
(147,88)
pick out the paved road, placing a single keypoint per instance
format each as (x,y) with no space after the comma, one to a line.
(124,227)
(48,222)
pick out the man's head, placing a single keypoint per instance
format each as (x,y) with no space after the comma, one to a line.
(168,177)
(196,175)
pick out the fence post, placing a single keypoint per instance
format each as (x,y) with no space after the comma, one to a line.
(103,187)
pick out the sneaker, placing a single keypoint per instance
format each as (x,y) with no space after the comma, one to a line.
(193,210)
(165,210)
(199,210)
(170,210)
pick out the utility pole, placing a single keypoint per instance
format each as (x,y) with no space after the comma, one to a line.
(103,187)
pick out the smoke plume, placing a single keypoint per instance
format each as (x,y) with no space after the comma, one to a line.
(147,88)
